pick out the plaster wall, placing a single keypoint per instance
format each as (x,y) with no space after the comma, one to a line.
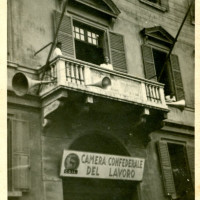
(62,138)
(136,15)
(154,177)
(30,27)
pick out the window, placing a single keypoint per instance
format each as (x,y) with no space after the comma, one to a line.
(154,53)
(161,5)
(87,42)
(177,164)
(18,157)
(159,60)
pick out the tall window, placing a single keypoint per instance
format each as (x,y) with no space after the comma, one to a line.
(88,43)
(177,164)
(18,157)
(156,67)
(180,170)
(159,60)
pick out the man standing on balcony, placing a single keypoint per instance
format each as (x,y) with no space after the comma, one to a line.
(58,50)
(106,63)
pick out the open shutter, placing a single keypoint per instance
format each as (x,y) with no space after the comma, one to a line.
(190,156)
(20,155)
(149,65)
(65,35)
(177,79)
(118,52)
(166,168)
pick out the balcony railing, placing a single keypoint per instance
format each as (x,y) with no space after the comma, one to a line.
(79,75)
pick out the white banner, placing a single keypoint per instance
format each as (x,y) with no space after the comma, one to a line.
(95,165)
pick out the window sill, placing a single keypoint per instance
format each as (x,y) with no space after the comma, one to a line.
(177,104)
(161,8)
(14,193)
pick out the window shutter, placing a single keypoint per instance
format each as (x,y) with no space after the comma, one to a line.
(190,156)
(20,155)
(177,79)
(149,65)
(9,151)
(118,52)
(21,172)
(65,34)
(165,4)
(166,168)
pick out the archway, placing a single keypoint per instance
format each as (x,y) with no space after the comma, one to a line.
(98,189)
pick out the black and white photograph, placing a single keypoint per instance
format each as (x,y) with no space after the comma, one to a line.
(100,100)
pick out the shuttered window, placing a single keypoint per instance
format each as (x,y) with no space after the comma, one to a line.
(178,84)
(18,155)
(117,52)
(65,35)
(87,43)
(149,65)
(153,61)
(177,165)
(166,168)
(190,155)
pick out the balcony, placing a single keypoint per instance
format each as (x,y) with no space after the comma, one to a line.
(78,76)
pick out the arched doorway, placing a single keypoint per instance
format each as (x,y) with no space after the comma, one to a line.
(98,189)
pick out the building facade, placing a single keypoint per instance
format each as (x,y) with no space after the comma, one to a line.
(73,118)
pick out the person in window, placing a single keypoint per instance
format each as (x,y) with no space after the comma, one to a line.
(106,63)
(58,50)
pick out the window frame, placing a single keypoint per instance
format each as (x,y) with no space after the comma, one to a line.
(185,146)
(116,55)
(177,89)
(12,143)
(85,35)
(163,49)
(98,26)
(11,191)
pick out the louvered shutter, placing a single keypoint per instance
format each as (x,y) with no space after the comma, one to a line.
(165,4)
(149,65)
(20,155)
(118,52)
(177,79)
(65,35)
(9,153)
(190,156)
(166,168)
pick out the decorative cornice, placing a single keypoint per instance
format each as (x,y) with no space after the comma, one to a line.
(114,11)
(164,35)
(179,128)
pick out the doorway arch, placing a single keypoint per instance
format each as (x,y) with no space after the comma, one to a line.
(98,189)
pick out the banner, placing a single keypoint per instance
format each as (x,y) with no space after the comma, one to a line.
(104,166)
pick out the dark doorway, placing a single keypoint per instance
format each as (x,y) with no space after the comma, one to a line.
(159,59)
(98,189)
